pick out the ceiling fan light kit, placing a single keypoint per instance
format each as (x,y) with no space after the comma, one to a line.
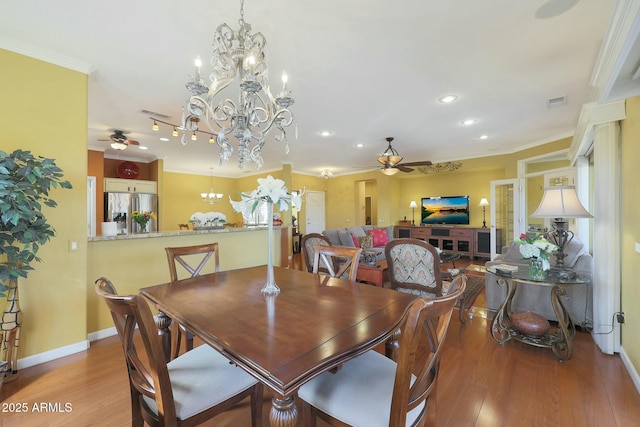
(390,161)
(120,141)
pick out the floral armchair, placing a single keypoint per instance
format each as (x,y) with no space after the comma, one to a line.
(414,267)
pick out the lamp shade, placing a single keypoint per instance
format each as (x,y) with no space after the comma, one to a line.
(560,202)
(413,204)
(484,202)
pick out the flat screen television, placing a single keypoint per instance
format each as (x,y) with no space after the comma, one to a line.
(449,210)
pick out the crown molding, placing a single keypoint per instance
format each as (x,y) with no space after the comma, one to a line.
(621,35)
(45,55)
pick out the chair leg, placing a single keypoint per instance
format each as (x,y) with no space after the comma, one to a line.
(308,416)
(189,340)
(176,349)
(461,304)
(256,405)
(136,412)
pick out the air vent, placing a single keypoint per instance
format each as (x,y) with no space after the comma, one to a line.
(556,102)
(154,114)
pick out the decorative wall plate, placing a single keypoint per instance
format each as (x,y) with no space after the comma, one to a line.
(128,170)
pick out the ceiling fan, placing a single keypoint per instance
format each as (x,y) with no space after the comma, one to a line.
(390,161)
(120,141)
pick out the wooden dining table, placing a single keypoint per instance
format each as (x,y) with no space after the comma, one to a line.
(314,324)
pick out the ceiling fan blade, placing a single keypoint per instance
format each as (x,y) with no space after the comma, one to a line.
(130,142)
(403,168)
(423,163)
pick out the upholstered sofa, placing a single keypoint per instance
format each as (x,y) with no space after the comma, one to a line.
(578,300)
(352,237)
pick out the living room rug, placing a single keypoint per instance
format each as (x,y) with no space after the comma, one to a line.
(475,285)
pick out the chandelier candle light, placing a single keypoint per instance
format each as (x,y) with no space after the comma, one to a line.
(238,54)
(272,192)
(211,197)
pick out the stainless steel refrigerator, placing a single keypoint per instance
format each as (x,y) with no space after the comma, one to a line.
(118,208)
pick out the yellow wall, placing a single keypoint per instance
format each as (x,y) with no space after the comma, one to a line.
(630,197)
(43,108)
(182,198)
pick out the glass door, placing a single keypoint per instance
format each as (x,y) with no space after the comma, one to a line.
(506,213)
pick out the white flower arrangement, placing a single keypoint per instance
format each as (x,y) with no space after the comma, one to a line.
(270,190)
(534,245)
(207,219)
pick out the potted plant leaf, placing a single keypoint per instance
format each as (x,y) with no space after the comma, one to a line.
(25,183)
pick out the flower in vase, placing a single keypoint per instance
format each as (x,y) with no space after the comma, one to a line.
(535,246)
(269,189)
(142,218)
(207,219)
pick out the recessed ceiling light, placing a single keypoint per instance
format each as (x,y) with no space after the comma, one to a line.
(326,133)
(448,99)
(164,139)
(485,136)
(142,147)
(360,145)
(469,122)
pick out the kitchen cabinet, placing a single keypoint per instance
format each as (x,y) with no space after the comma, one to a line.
(118,185)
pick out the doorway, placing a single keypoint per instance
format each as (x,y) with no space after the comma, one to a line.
(314,212)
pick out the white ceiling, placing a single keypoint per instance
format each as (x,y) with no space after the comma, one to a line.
(362,69)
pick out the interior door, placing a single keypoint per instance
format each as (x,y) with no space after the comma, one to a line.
(314,212)
(506,212)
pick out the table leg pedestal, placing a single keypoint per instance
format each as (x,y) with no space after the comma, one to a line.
(500,327)
(560,341)
(392,345)
(284,412)
(563,347)
(163,323)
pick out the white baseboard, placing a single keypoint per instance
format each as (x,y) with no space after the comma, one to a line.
(633,373)
(54,354)
(68,350)
(105,333)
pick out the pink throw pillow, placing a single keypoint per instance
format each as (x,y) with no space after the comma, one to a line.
(355,240)
(379,237)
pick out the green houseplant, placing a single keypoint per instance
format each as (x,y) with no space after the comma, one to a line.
(25,183)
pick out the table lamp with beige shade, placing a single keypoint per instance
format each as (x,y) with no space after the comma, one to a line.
(560,203)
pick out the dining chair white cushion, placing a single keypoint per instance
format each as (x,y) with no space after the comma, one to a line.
(202,378)
(360,393)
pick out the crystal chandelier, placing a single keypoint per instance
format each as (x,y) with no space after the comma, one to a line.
(211,197)
(440,167)
(238,54)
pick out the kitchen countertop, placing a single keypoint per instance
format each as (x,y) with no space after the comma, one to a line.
(177,233)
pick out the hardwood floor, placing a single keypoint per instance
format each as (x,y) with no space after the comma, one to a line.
(481,384)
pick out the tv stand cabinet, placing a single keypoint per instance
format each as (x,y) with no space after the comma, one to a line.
(459,240)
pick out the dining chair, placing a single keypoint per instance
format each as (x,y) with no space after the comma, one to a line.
(186,391)
(308,248)
(374,390)
(340,261)
(414,267)
(193,260)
